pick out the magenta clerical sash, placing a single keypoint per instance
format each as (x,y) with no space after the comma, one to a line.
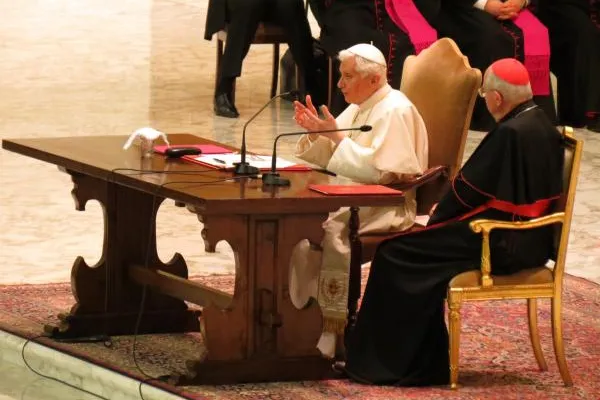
(537,51)
(407,17)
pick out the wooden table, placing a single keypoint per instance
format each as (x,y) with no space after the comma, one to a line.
(255,335)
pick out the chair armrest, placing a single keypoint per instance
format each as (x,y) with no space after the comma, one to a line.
(485,226)
(429,175)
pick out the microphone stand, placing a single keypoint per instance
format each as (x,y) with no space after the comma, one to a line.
(244,168)
(272,178)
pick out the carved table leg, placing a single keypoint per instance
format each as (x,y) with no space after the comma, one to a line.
(261,336)
(107,302)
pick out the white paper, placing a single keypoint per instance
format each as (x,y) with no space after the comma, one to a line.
(228,160)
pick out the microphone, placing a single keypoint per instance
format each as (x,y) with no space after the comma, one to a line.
(272,178)
(243,168)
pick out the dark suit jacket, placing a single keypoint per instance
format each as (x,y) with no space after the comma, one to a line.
(216,17)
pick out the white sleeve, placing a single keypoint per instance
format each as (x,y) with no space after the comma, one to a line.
(315,151)
(399,146)
(319,151)
(480,4)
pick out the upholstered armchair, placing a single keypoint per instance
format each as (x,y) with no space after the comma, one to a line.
(531,284)
(443,86)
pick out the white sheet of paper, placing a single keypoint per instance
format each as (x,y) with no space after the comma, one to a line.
(229,159)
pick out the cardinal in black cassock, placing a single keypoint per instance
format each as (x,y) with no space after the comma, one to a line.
(400,336)
(488,30)
(574,28)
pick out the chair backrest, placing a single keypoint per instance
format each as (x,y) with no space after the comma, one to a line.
(443,87)
(572,159)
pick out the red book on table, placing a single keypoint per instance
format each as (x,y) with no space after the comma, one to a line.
(349,190)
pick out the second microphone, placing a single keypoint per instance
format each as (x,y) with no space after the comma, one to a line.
(273,178)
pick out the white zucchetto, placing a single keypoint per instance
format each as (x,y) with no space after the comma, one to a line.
(369,52)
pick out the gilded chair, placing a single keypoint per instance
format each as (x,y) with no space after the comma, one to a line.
(443,87)
(531,284)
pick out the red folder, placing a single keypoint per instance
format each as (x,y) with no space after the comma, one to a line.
(349,190)
(204,148)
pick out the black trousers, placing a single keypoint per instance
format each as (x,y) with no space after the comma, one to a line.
(575,60)
(244,18)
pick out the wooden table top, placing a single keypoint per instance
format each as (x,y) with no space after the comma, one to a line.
(216,191)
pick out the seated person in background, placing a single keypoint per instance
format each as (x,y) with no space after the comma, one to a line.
(488,30)
(395,147)
(398,28)
(574,27)
(242,18)
(400,336)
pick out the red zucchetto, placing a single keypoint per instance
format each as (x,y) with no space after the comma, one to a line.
(511,71)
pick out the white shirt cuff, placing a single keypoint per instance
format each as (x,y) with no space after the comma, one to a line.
(480,4)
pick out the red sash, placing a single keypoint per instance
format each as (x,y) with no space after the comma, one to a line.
(407,17)
(533,210)
(537,51)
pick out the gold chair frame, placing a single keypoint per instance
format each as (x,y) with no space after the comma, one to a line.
(530,284)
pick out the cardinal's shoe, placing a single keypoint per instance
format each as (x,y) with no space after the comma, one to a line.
(224,107)
(593,122)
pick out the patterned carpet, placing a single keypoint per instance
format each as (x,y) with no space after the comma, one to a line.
(496,358)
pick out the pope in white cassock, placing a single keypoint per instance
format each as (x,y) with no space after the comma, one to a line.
(396,148)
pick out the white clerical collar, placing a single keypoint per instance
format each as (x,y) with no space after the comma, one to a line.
(375,97)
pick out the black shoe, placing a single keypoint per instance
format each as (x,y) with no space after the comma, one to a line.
(224,107)
(593,123)
(340,368)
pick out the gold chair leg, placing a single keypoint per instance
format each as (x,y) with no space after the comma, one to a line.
(534,334)
(454,303)
(559,349)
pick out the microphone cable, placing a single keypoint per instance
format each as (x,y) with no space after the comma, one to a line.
(161,378)
(107,339)
(104,337)
(34,339)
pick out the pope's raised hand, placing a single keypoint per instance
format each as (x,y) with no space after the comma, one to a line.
(308,117)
